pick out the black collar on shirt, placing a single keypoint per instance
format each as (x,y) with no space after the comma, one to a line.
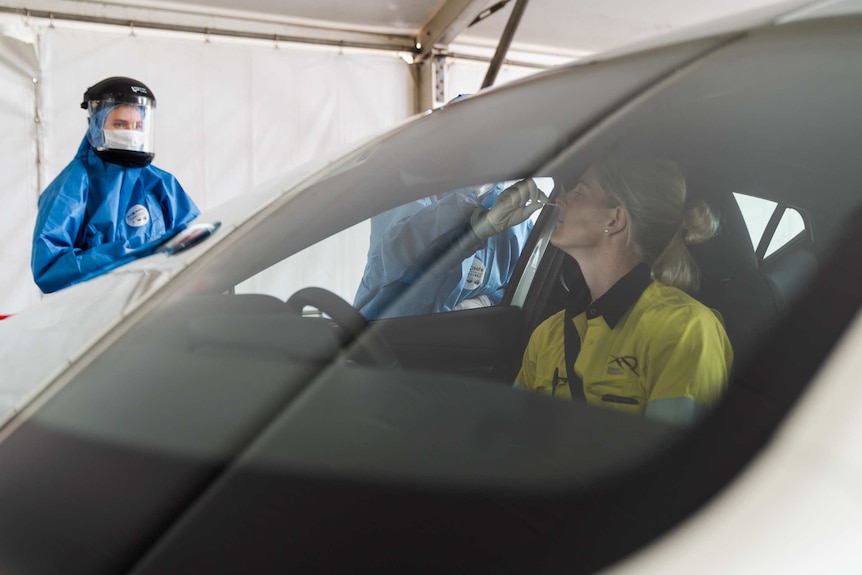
(622,296)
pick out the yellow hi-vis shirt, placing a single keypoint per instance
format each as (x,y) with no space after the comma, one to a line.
(646,348)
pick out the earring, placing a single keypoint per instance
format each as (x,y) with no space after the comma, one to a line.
(606,230)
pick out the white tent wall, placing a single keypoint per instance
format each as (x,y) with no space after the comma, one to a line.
(231,114)
(18,164)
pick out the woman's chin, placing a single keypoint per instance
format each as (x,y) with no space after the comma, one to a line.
(556,235)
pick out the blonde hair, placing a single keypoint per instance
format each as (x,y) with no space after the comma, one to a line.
(660,224)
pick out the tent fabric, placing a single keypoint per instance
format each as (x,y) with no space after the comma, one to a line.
(18,168)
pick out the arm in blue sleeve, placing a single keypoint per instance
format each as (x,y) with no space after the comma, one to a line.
(55,260)
(435,279)
(422,249)
(414,241)
(422,287)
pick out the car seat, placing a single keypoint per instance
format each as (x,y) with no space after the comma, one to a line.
(732,282)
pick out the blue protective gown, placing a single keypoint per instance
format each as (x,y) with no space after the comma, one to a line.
(96,216)
(425,258)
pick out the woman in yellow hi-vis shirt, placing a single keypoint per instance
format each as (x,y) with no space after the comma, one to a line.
(641,344)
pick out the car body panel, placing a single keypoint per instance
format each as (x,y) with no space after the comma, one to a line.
(796,508)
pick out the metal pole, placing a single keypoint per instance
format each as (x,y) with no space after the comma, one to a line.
(505,41)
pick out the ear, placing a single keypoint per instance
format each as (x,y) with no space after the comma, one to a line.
(617,220)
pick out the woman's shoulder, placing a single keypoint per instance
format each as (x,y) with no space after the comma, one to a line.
(551,324)
(672,302)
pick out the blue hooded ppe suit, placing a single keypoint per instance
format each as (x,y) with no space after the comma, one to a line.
(96,216)
(425,258)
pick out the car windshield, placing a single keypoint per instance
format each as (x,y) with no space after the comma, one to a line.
(345,241)
(361,226)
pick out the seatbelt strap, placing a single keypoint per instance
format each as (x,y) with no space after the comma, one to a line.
(572,343)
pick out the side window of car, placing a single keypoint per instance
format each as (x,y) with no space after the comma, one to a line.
(335,263)
(417,258)
(770,225)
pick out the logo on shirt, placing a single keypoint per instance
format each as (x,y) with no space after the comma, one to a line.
(137,216)
(475,275)
(619,365)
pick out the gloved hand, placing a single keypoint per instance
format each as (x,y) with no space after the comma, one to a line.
(514,205)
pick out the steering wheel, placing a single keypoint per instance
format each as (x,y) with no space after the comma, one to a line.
(360,338)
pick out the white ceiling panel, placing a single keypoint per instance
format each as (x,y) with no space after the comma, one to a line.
(569,28)
(386,14)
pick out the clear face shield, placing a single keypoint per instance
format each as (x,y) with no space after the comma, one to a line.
(122,127)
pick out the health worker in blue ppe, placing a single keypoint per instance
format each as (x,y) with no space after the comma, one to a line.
(110,205)
(447,252)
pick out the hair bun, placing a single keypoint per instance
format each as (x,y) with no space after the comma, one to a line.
(699,223)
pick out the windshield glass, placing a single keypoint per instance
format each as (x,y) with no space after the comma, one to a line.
(536,290)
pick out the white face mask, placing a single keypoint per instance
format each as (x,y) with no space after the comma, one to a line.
(132,140)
